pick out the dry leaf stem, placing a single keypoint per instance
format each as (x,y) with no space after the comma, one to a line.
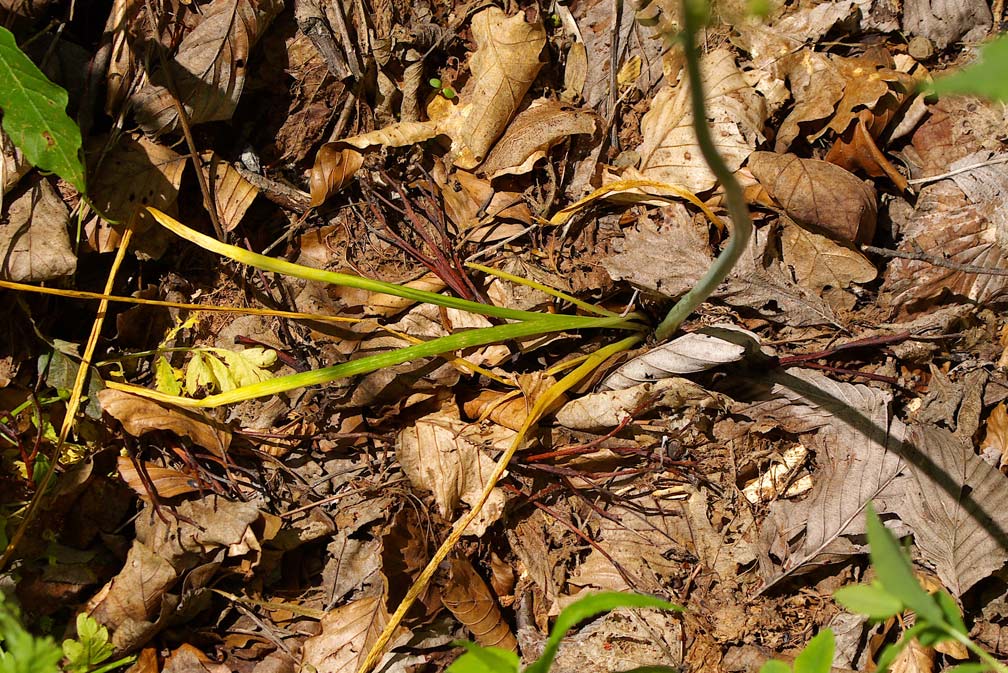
(694,14)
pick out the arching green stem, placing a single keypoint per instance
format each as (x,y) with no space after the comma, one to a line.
(694,15)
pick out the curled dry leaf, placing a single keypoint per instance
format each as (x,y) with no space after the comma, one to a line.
(735,111)
(332,168)
(167,482)
(480,212)
(140,415)
(511,409)
(597,412)
(779,478)
(34,245)
(818,194)
(209,67)
(440,453)
(467,596)
(532,133)
(347,633)
(232,193)
(698,351)
(819,262)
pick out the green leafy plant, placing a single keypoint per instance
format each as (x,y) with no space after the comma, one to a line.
(895,591)
(34,115)
(91,648)
(984,78)
(479,659)
(20,651)
(445,91)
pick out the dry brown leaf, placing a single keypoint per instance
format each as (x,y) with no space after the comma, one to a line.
(34,245)
(994,447)
(502,577)
(387,305)
(467,596)
(188,659)
(511,409)
(532,133)
(606,409)
(404,554)
(945,222)
(332,168)
(209,67)
(140,415)
(819,262)
(735,111)
(232,193)
(857,149)
(14,165)
(479,211)
(817,87)
(136,173)
(166,481)
(867,79)
(915,658)
(438,455)
(818,194)
(348,632)
(945,22)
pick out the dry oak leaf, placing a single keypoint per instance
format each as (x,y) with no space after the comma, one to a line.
(209,68)
(819,262)
(441,453)
(735,112)
(140,415)
(533,132)
(818,194)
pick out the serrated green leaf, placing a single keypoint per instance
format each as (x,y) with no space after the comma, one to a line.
(775,666)
(817,657)
(247,367)
(869,599)
(165,377)
(34,115)
(480,659)
(895,574)
(91,647)
(984,78)
(584,608)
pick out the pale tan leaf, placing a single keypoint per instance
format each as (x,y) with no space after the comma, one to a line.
(209,67)
(467,596)
(735,111)
(438,457)
(232,193)
(606,409)
(348,632)
(387,305)
(915,658)
(532,133)
(502,69)
(135,174)
(768,44)
(166,481)
(140,415)
(945,22)
(511,409)
(818,194)
(34,245)
(819,262)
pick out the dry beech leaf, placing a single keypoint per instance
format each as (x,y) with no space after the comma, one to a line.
(818,194)
(532,133)
(209,67)
(735,111)
(440,453)
(232,193)
(857,149)
(819,262)
(467,596)
(604,410)
(136,173)
(994,447)
(958,510)
(698,351)
(140,415)
(34,245)
(347,633)
(166,481)
(332,168)
(964,232)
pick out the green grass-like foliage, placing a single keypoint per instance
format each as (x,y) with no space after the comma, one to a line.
(34,115)
(895,591)
(988,77)
(479,659)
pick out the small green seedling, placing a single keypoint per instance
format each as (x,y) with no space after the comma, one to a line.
(479,659)
(91,648)
(895,591)
(445,91)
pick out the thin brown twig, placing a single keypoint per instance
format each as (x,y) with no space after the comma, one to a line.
(935,260)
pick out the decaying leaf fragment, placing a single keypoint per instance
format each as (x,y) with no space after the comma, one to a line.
(34,245)
(348,632)
(818,194)
(140,415)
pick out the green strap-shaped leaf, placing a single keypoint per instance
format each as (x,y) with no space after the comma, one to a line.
(984,78)
(34,115)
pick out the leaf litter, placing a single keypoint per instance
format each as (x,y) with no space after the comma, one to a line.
(856,353)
